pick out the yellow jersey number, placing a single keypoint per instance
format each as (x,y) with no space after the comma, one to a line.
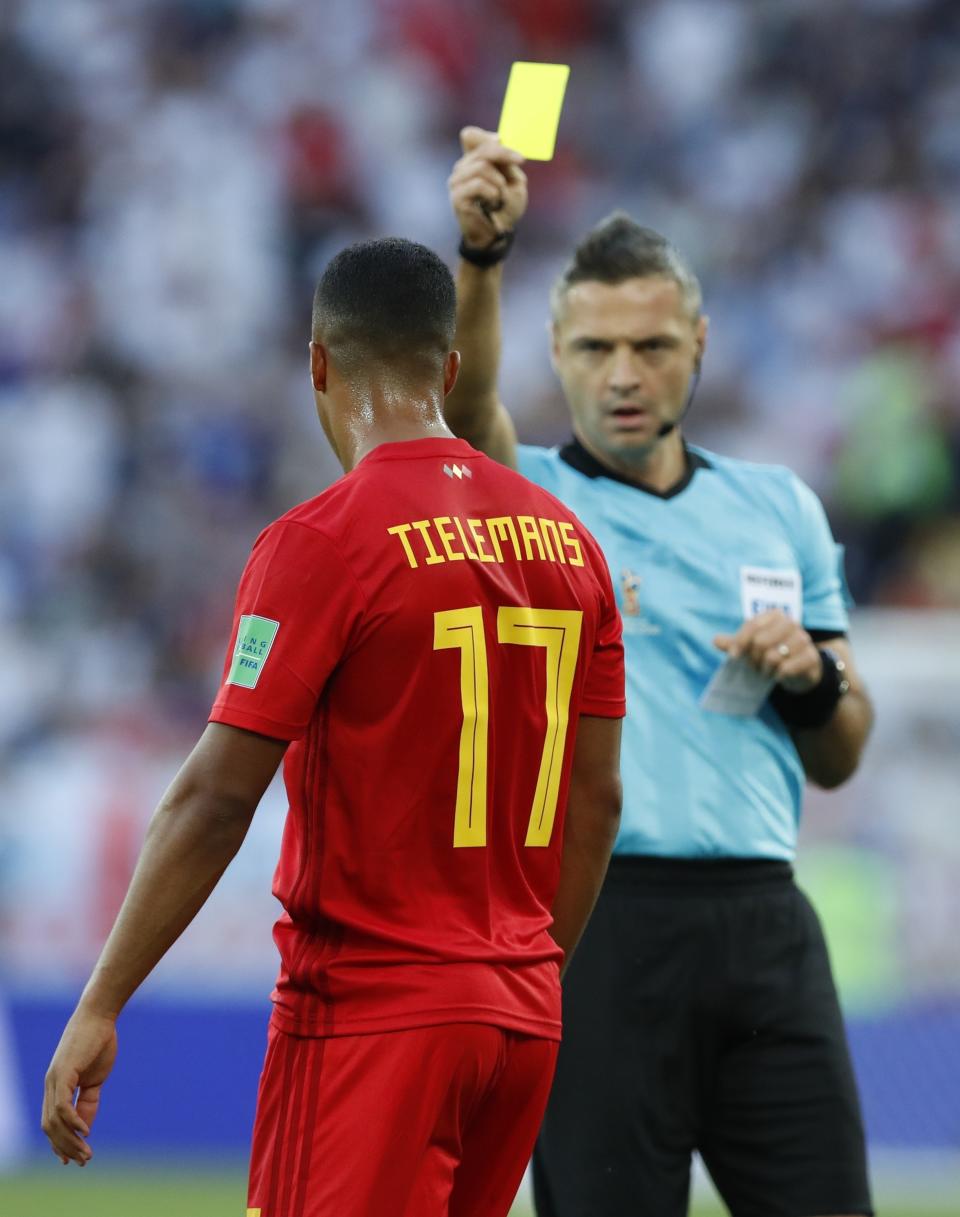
(557,631)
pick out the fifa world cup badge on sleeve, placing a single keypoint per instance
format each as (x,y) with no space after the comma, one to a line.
(254,642)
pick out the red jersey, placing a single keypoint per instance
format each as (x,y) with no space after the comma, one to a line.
(426,632)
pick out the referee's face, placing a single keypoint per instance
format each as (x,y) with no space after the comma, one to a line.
(625,354)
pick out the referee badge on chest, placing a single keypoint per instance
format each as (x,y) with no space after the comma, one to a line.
(631,610)
(763,588)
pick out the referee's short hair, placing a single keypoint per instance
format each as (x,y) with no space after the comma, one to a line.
(619,248)
(389,300)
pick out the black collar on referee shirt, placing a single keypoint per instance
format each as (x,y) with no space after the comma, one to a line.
(577,457)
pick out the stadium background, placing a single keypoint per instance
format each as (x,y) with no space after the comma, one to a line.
(172,178)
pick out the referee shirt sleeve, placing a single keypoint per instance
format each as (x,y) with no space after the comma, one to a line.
(296,608)
(826,599)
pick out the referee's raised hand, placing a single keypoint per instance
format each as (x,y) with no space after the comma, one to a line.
(488,187)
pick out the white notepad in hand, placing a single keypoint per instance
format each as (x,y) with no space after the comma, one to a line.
(737,688)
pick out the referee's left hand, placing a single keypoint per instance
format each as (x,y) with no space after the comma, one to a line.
(778,647)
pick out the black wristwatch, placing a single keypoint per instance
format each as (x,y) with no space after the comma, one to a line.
(488,255)
(838,671)
(813,709)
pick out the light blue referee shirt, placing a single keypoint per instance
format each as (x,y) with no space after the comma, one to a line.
(730,540)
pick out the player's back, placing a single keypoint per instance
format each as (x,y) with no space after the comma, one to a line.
(459,618)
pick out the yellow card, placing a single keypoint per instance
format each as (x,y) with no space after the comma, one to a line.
(531,108)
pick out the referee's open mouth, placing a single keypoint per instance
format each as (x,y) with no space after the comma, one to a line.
(630,415)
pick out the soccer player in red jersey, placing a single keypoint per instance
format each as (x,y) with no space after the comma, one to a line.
(432,647)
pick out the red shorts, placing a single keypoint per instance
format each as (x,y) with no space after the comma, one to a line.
(429,1122)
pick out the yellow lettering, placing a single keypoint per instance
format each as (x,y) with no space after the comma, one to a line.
(463,537)
(500,528)
(401,530)
(530,532)
(446,536)
(546,526)
(572,544)
(423,528)
(558,632)
(462,630)
(479,540)
(541,538)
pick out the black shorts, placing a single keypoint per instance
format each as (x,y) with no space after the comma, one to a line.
(700,1013)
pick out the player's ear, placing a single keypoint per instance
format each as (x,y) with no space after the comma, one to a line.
(451,370)
(318,367)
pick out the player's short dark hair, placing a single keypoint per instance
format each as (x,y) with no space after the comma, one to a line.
(619,248)
(389,300)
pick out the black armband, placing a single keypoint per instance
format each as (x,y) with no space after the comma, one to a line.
(490,254)
(808,711)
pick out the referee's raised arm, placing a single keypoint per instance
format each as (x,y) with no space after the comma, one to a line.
(488,193)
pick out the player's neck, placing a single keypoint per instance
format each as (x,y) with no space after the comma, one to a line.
(659,467)
(376,422)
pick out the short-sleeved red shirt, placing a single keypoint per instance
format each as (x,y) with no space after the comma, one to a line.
(426,632)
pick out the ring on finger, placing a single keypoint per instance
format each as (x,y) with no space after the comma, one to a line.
(783,650)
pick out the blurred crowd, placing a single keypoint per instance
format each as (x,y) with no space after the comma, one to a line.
(174,174)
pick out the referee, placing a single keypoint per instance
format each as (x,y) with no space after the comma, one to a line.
(699,1012)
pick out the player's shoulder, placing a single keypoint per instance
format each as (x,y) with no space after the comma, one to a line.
(528,477)
(542,488)
(772,485)
(548,470)
(750,473)
(550,505)
(325,516)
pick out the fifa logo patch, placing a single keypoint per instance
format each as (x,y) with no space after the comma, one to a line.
(630,611)
(457,471)
(255,637)
(630,590)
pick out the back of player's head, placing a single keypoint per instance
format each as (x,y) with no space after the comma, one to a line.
(619,248)
(388,302)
